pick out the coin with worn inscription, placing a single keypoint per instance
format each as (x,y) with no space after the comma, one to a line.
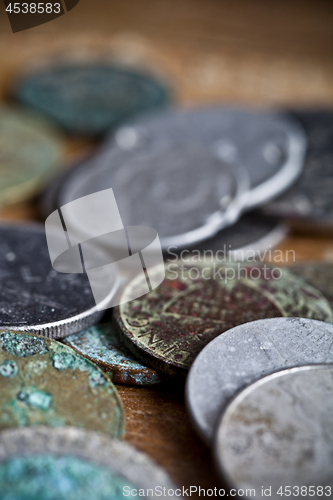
(246,353)
(270,145)
(318,274)
(72,464)
(310,199)
(33,296)
(44,382)
(87,98)
(30,152)
(197,301)
(102,345)
(276,436)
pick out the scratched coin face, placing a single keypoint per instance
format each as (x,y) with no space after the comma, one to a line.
(30,152)
(33,296)
(44,382)
(310,199)
(246,353)
(168,327)
(277,435)
(318,274)
(102,345)
(74,464)
(90,99)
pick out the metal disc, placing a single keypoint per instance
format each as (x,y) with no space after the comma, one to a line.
(185,192)
(102,345)
(197,301)
(30,151)
(310,199)
(277,435)
(270,145)
(44,382)
(76,464)
(246,353)
(33,296)
(90,99)
(318,274)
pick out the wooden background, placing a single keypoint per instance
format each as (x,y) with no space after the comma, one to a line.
(267,53)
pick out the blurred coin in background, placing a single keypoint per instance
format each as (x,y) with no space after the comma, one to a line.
(318,274)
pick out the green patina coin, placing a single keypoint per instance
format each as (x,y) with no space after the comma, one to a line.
(44,382)
(102,345)
(318,274)
(30,152)
(90,99)
(168,327)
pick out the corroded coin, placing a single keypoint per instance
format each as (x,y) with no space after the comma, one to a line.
(69,463)
(168,327)
(33,296)
(243,354)
(44,382)
(276,436)
(90,99)
(318,274)
(310,199)
(102,345)
(30,151)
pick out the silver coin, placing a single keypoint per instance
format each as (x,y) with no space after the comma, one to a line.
(270,145)
(97,466)
(277,435)
(246,353)
(186,193)
(33,296)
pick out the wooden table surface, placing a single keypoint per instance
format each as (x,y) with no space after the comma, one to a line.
(266,53)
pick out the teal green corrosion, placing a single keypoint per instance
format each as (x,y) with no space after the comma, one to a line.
(44,382)
(48,477)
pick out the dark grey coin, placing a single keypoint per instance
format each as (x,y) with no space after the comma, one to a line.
(270,145)
(67,462)
(246,353)
(90,99)
(276,436)
(310,199)
(186,193)
(33,296)
(318,274)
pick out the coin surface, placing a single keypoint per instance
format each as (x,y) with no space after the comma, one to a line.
(277,435)
(102,345)
(246,353)
(90,99)
(44,382)
(168,327)
(75,464)
(270,145)
(30,151)
(310,199)
(33,296)
(318,274)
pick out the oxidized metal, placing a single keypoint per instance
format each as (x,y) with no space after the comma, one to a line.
(319,275)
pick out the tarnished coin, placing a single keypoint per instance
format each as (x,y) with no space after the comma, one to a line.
(243,354)
(30,151)
(319,275)
(168,327)
(72,464)
(270,145)
(90,99)
(310,199)
(276,436)
(44,382)
(33,296)
(102,345)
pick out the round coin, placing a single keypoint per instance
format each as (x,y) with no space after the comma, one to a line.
(30,151)
(270,145)
(102,345)
(44,382)
(310,199)
(69,463)
(277,435)
(246,353)
(168,327)
(33,296)
(318,274)
(90,99)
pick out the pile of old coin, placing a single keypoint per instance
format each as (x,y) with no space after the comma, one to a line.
(253,341)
